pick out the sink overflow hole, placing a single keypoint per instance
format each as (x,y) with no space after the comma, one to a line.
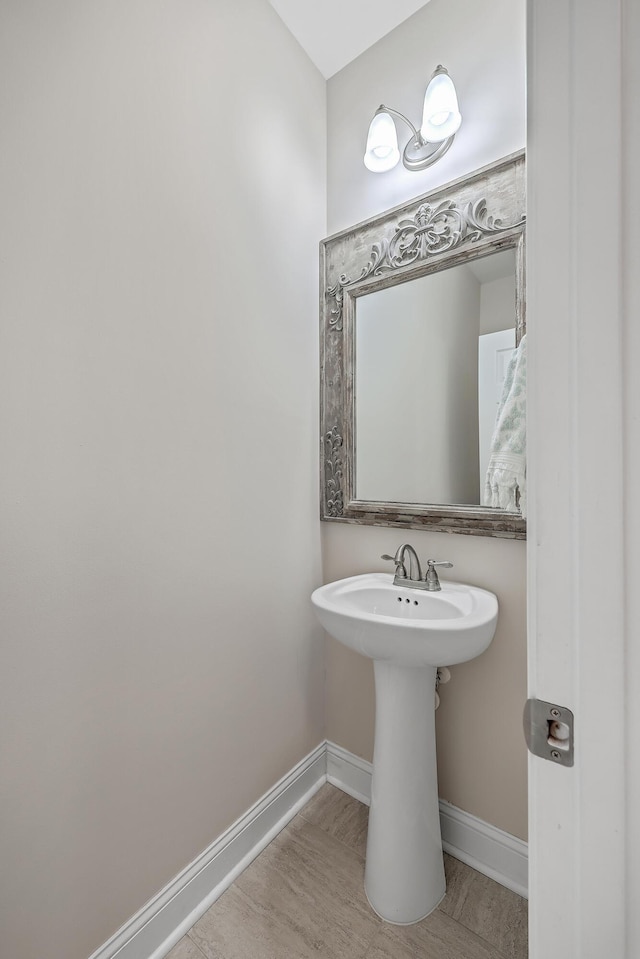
(415,602)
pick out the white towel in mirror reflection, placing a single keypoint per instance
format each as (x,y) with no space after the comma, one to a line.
(505,484)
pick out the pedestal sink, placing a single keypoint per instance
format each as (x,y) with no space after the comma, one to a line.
(408,633)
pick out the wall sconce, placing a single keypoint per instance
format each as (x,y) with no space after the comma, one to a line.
(441,121)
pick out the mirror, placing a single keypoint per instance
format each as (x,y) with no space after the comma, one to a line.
(422,309)
(425,373)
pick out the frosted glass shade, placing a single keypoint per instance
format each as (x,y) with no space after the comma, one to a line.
(441,117)
(382,144)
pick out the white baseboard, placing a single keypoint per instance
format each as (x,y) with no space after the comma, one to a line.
(349,773)
(486,848)
(165,919)
(159,925)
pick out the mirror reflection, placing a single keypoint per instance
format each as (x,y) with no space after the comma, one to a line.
(430,360)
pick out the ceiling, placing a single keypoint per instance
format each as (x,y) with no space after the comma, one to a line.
(335,32)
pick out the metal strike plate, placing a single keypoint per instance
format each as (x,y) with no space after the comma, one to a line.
(548,730)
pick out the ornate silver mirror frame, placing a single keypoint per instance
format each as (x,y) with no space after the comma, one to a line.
(468,218)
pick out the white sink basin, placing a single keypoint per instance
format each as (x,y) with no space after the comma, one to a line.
(406,626)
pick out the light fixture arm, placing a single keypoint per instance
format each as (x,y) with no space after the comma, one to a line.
(418,154)
(383,109)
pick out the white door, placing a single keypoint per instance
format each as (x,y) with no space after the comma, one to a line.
(583,413)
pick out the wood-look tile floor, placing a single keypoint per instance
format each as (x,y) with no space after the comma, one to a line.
(303,897)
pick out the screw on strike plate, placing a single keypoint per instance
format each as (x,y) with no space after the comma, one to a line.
(555,754)
(555,713)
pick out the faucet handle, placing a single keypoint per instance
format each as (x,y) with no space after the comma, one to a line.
(400,567)
(431,577)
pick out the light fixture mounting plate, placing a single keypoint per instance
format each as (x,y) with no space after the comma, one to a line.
(419,154)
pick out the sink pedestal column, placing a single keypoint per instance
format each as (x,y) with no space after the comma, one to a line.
(404,873)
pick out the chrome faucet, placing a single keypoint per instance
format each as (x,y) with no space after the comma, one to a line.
(430,582)
(415,570)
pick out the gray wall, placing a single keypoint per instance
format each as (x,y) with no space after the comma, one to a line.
(161,667)
(497,304)
(482,757)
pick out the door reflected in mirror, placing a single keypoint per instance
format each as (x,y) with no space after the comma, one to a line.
(430,358)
